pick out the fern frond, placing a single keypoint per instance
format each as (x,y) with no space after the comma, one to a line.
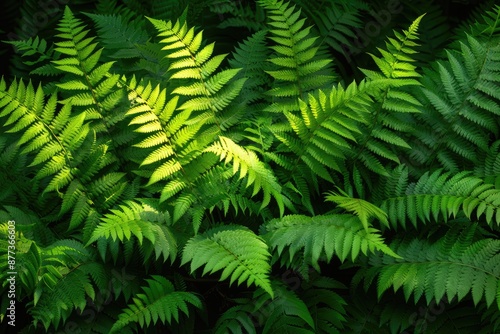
(237,319)
(337,24)
(248,165)
(209,92)
(251,56)
(36,49)
(55,142)
(173,144)
(384,133)
(236,249)
(143,222)
(159,301)
(322,300)
(441,195)
(300,68)
(361,208)
(483,23)
(287,312)
(65,281)
(318,141)
(25,253)
(320,237)
(88,84)
(461,107)
(120,35)
(489,166)
(456,265)
(242,15)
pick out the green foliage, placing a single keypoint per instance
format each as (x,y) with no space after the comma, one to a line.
(299,66)
(223,166)
(457,265)
(159,301)
(322,237)
(236,249)
(439,196)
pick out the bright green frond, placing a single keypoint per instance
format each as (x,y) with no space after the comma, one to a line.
(242,255)
(250,167)
(320,237)
(159,301)
(300,68)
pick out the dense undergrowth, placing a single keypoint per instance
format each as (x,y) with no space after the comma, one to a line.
(252,167)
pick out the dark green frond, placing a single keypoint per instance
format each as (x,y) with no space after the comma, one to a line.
(460,106)
(320,237)
(383,136)
(455,266)
(440,195)
(144,223)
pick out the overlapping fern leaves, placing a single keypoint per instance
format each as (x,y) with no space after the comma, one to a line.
(383,136)
(459,264)
(241,254)
(159,301)
(141,149)
(438,197)
(321,237)
(461,105)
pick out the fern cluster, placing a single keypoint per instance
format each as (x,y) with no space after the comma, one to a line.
(161,179)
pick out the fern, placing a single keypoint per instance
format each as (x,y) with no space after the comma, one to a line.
(321,237)
(88,84)
(457,265)
(120,34)
(141,221)
(25,107)
(315,144)
(36,49)
(439,196)
(461,101)
(236,249)
(286,312)
(209,93)
(143,138)
(251,56)
(173,152)
(361,208)
(299,66)
(489,166)
(159,301)
(242,15)
(434,32)
(236,319)
(65,277)
(337,24)
(246,162)
(382,136)
(321,300)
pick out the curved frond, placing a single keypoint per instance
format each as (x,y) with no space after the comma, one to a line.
(236,249)
(248,165)
(461,107)
(453,267)
(320,237)
(440,195)
(142,222)
(159,301)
